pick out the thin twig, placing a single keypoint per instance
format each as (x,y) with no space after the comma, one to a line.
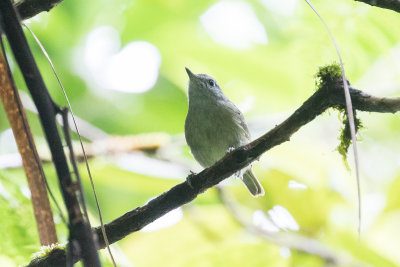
(65,127)
(79,229)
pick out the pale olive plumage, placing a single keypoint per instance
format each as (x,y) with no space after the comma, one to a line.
(214,125)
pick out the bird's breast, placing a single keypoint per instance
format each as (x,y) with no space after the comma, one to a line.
(210,131)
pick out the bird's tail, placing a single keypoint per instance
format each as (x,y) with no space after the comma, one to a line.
(252,184)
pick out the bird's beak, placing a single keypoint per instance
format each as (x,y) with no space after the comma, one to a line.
(190,73)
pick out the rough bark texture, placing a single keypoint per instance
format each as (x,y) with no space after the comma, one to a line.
(387,4)
(79,228)
(30,159)
(30,8)
(324,98)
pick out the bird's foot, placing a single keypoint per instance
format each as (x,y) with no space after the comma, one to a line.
(189,179)
(239,173)
(230,149)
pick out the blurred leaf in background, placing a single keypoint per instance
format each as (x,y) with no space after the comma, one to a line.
(122,63)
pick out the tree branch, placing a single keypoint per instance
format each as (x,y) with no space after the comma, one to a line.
(30,8)
(387,4)
(79,228)
(30,158)
(324,98)
(114,145)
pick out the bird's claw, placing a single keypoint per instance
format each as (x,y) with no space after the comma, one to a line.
(188,179)
(230,149)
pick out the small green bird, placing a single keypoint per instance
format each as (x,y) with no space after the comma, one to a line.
(215,125)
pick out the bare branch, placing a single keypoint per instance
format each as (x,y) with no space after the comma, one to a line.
(79,229)
(30,8)
(112,145)
(195,184)
(387,4)
(30,158)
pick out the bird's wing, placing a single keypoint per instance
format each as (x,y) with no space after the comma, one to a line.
(240,119)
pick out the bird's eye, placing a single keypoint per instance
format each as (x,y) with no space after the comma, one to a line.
(211,83)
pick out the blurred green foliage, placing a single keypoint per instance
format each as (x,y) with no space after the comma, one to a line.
(279,77)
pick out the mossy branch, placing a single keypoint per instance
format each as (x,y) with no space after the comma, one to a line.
(328,76)
(329,94)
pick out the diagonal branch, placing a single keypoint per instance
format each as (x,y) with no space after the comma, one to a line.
(241,157)
(387,4)
(326,97)
(30,8)
(80,231)
(30,159)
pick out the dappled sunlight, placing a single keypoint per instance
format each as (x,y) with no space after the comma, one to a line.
(234,24)
(296,185)
(261,220)
(122,66)
(282,7)
(374,205)
(283,219)
(25,191)
(9,156)
(142,164)
(383,77)
(10,160)
(247,104)
(285,252)
(167,220)
(7,142)
(4,193)
(101,44)
(132,69)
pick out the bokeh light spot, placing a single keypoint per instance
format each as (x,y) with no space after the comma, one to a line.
(133,69)
(234,24)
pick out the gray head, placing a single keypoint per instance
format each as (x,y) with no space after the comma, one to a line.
(203,84)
